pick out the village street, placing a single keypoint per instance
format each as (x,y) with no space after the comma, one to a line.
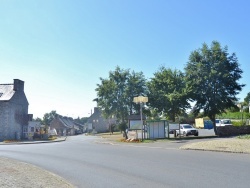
(89,161)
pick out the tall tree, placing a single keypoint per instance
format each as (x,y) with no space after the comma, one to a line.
(82,120)
(212,79)
(136,85)
(167,92)
(115,94)
(48,117)
(247,99)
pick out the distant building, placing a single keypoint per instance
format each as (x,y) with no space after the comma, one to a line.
(13,110)
(65,126)
(98,123)
(32,128)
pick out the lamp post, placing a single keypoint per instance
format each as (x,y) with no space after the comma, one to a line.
(141,100)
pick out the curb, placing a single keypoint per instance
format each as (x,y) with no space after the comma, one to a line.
(223,151)
(34,142)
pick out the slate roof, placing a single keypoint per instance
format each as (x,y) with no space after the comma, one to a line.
(68,122)
(6,92)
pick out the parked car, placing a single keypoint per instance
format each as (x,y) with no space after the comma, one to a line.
(223,122)
(171,131)
(186,130)
(78,132)
(172,128)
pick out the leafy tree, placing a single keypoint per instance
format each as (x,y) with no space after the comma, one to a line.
(136,85)
(247,99)
(115,94)
(48,117)
(38,119)
(152,113)
(167,92)
(212,79)
(82,120)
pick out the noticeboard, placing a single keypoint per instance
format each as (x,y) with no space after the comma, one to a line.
(135,125)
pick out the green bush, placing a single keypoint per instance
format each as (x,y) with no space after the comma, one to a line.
(123,126)
(237,123)
(237,117)
(233,115)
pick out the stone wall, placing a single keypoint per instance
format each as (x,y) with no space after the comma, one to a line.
(12,117)
(233,130)
(14,114)
(4,119)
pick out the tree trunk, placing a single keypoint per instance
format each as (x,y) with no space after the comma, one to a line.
(214,124)
(173,117)
(125,134)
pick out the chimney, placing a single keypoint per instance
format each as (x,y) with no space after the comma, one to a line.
(96,109)
(18,85)
(30,117)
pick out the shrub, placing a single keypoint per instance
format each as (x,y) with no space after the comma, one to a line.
(123,126)
(233,115)
(237,123)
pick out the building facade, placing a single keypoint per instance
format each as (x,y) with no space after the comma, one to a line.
(65,126)
(13,110)
(32,128)
(96,122)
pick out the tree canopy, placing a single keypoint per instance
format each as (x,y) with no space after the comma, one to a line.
(212,76)
(48,117)
(115,93)
(247,99)
(167,92)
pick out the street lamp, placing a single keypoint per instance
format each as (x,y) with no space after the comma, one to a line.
(141,100)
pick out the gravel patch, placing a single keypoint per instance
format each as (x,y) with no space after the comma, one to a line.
(15,174)
(234,145)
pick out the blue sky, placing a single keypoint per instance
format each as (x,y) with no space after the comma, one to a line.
(61,48)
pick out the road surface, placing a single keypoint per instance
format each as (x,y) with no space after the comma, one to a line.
(86,161)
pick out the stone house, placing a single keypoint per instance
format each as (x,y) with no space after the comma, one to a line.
(65,126)
(98,123)
(13,110)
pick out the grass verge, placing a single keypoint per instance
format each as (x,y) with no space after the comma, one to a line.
(247,136)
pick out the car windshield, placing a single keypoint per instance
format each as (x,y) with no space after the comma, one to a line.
(217,121)
(187,126)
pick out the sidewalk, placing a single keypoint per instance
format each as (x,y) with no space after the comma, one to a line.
(230,145)
(59,139)
(23,175)
(216,144)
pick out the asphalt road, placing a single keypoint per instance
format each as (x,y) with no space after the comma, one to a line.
(87,162)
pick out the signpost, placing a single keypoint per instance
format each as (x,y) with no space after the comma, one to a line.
(141,100)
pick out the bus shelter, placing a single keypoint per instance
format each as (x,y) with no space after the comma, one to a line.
(158,129)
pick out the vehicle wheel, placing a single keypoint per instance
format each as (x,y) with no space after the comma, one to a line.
(197,134)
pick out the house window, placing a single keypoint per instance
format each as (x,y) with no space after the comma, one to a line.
(32,129)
